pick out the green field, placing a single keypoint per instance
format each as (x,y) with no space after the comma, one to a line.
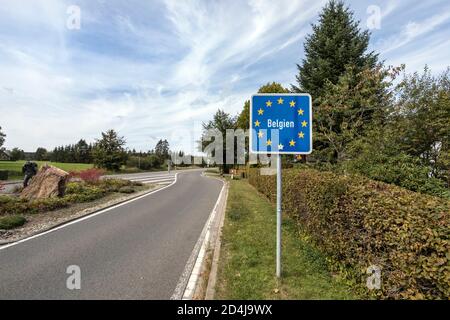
(16,167)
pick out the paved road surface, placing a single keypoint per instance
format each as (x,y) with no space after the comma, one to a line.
(136,251)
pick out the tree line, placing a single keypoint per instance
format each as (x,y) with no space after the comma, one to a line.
(108,152)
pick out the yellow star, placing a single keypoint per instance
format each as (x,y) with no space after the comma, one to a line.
(269,142)
(301,135)
(299,157)
(280,147)
(292,143)
(292,103)
(260,112)
(304,123)
(280,101)
(269,103)
(257,123)
(260,134)
(300,112)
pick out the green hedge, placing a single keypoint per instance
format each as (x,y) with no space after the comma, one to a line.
(359,222)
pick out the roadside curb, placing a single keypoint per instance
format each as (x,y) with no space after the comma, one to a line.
(192,274)
(212,278)
(58,225)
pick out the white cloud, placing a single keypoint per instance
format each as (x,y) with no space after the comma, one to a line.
(149,70)
(413,30)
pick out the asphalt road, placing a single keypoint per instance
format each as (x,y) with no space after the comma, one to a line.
(135,251)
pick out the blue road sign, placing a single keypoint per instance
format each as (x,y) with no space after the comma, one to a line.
(281,124)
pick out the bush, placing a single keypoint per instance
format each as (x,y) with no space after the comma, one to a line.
(144,163)
(113,185)
(399,169)
(90,175)
(11,222)
(126,190)
(359,222)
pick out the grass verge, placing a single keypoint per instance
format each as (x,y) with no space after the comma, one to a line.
(247,266)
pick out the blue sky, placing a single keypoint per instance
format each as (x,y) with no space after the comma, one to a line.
(157,69)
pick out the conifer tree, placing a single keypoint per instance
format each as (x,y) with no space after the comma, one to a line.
(336,43)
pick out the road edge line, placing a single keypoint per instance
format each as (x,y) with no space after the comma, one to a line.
(82,218)
(185,288)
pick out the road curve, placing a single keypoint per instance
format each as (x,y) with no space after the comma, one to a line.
(135,251)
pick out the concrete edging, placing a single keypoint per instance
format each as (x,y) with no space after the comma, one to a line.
(212,278)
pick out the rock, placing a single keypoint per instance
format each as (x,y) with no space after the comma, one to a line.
(49,182)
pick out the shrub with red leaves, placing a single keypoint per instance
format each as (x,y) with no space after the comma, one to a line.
(90,175)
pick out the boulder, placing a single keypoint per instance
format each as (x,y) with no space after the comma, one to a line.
(49,182)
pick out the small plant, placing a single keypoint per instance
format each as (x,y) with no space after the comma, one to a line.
(10,222)
(126,190)
(90,175)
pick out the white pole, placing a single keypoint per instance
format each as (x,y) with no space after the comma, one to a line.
(279,215)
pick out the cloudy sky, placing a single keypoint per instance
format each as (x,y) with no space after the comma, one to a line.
(158,68)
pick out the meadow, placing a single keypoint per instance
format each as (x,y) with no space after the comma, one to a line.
(15,167)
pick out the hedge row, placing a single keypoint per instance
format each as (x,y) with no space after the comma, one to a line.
(359,222)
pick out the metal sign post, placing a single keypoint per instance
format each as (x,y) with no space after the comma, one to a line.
(279,195)
(280,124)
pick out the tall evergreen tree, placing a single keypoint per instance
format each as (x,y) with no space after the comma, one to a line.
(109,151)
(162,149)
(220,123)
(336,43)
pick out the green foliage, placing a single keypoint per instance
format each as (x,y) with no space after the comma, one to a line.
(422,120)
(243,120)
(216,128)
(81,152)
(126,190)
(17,154)
(76,192)
(149,162)
(41,154)
(11,222)
(162,150)
(109,151)
(336,43)
(379,157)
(347,109)
(359,222)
